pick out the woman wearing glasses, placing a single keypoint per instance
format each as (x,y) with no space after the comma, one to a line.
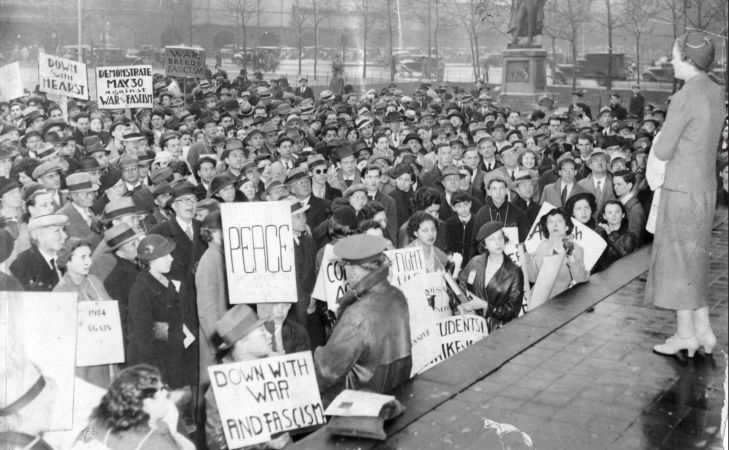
(136,413)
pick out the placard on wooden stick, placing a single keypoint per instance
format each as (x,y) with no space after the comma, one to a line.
(100,338)
(188,62)
(125,86)
(62,76)
(266,396)
(259,252)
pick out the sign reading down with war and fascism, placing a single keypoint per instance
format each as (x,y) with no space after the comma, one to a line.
(259,252)
(128,86)
(259,398)
(62,76)
(185,62)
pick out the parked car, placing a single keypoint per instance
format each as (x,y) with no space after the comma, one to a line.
(659,72)
(595,66)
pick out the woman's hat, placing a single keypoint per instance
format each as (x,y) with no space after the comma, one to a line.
(236,324)
(154,246)
(119,235)
(487,230)
(698,48)
(218,183)
(213,220)
(7,185)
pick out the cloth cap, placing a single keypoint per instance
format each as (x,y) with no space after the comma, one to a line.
(360,248)
(355,188)
(566,158)
(236,324)
(50,220)
(487,230)
(45,169)
(154,246)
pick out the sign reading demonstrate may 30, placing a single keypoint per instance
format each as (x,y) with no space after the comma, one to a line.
(266,396)
(185,62)
(62,76)
(128,86)
(259,252)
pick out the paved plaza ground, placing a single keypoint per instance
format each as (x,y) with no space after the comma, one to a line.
(592,382)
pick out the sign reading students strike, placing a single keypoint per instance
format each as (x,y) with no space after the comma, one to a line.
(459,332)
(62,76)
(185,62)
(128,86)
(266,396)
(259,252)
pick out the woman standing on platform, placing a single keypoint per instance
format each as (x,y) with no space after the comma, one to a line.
(679,275)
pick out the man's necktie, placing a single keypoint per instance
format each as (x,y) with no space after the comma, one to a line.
(564,195)
(513,178)
(188,232)
(488,168)
(53,266)
(599,194)
(348,182)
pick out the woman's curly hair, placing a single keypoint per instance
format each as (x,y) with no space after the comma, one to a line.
(122,408)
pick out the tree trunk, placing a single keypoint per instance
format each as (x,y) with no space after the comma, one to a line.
(301,31)
(364,56)
(574,60)
(609,81)
(477,58)
(637,56)
(316,45)
(554,57)
(245,49)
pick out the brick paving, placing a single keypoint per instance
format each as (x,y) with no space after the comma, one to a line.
(595,384)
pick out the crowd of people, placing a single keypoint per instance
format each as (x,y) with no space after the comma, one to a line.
(125,205)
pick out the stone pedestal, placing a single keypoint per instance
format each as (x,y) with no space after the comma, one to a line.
(524,76)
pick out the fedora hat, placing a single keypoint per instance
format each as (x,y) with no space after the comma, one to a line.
(236,324)
(119,235)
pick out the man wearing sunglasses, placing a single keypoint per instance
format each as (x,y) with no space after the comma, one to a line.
(320,187)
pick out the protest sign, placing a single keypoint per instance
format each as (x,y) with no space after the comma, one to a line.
(527,288)
(38,342)
(331,282)
(405,263)
(436,293)
(259,252)
(125,86)
(266,396)
(99,334)
(591,242)
(188,62)
(545,280)
(512,239)
(11,86)
(424,336)
(457,333)
(62,76)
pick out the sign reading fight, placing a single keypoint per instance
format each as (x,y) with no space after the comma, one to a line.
(63,77)
(459,332)
(591,242)
(128,86)
(405,263)
(259,252)
(266,396)
(185,62)
(99,334)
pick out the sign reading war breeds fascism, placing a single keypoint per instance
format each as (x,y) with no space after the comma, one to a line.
(128,86)
(62,76)
(259,252)
(266,396)
(185,62)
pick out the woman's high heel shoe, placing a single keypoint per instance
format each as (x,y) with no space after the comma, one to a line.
(708,340)
(675,344)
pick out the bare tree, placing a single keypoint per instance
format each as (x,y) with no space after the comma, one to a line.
(178,15)
(242,12)
(638,24)
(474,17)
(386,14)
(564,19)
(704,14)
(428,14)
(366,17)
(300,20)
(320,11)
(612,17)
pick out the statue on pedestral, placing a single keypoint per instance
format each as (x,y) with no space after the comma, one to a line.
(527,18)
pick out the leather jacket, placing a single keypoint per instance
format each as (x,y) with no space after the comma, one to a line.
(369,348)
(504,293)
(620,244)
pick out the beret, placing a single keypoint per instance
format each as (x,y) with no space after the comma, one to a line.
(487,230)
